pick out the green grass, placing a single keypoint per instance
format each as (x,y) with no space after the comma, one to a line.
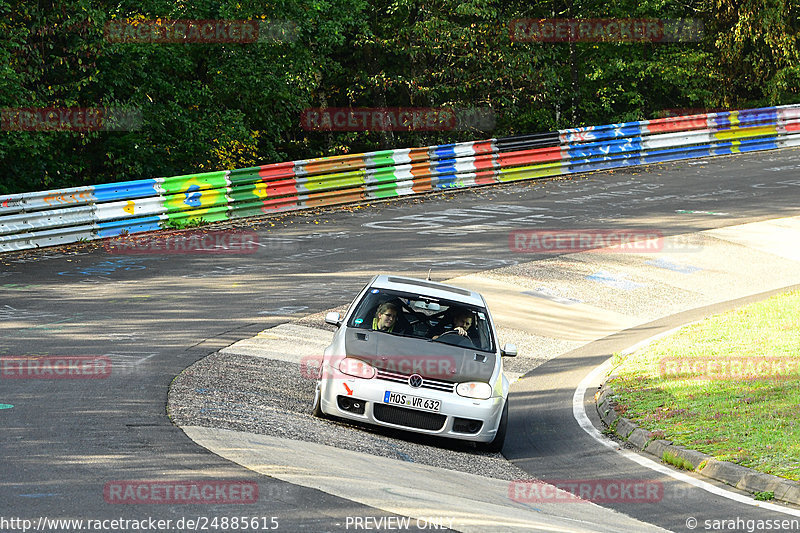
(680,462)
(185,223)
(749,416)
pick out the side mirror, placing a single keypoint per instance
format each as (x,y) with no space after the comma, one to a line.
(333,319)
(508,350)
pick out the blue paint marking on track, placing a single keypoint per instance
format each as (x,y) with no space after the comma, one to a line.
(692,212)
(42,495)
(405,457)
(675,267)
(5,406)
(617,281)
(543,293)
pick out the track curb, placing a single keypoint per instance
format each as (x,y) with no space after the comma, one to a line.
(732,474)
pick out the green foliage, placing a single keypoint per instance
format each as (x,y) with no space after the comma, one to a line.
(211,106)
(756,49)
(185,223)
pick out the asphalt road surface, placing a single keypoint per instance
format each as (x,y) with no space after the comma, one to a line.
(152,315)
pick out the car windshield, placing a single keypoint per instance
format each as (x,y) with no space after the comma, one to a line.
(419,316)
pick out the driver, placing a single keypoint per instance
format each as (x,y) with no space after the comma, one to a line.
(462,321)
(385,317)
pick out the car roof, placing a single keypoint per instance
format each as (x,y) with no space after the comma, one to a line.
(428,288)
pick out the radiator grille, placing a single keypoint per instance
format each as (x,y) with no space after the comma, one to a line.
(408,417)
(427,383)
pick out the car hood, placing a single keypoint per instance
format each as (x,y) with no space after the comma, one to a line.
(430,359)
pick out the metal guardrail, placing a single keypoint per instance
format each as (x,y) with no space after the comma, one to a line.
(48,218)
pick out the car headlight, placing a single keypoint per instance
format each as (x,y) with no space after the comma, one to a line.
(356,368)
(474,389)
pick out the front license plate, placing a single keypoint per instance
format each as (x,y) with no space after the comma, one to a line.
(414,402)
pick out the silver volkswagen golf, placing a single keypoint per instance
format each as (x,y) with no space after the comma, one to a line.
(420,356)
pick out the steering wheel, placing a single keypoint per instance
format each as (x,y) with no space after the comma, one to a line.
(462,340)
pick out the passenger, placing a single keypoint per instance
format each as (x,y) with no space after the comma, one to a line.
(385,317)
(462,321)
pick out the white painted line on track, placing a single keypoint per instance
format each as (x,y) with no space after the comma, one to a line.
(578,411)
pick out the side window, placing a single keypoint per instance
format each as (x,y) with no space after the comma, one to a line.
(483,335)
(365,312)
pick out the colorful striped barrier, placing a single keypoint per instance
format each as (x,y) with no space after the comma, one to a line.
(47,218)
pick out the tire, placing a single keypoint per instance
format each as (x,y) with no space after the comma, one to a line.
(496,446)
(316,406)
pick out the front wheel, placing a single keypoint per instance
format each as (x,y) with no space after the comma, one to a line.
(316,406)
(496,446)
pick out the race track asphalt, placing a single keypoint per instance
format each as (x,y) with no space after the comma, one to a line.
(153,315)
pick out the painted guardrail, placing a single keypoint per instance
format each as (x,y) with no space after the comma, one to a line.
(48,218)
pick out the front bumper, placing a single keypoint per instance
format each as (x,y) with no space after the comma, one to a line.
(456,417)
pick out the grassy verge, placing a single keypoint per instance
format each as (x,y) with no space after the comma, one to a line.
(728,386)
